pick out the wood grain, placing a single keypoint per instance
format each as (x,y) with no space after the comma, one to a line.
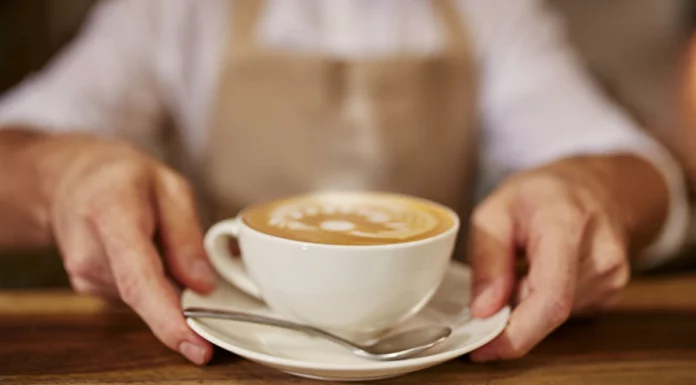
(55,337)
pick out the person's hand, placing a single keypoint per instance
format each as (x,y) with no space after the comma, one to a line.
(109,205)
(569,225)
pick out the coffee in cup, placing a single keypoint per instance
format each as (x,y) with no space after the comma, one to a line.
(356,263)
(350,219)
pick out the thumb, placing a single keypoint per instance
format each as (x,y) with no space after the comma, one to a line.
(492,257)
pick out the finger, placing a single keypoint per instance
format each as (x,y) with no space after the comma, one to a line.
(139,274)
(492,253)
(603,292)
(522,292)
(553,245)
(82,252)
(86,287)
(604,271)
(586,285)
(181,235)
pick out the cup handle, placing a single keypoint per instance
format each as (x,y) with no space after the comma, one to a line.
(229,267)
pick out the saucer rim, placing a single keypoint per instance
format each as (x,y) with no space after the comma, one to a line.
(292,363)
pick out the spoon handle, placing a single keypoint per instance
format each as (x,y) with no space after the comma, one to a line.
(231,315)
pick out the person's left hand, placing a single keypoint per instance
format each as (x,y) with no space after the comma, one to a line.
(572,235)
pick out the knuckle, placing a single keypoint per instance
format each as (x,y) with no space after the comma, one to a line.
(119,207)
(560,309)
(175,183)
(106,212)
(103,203)
(563,211)
(568,211)
(124,152)
(606,268)
(84,212)
(115,182)
(83,286)
(490,215)
(620,279)
(478,216)
(170,331)
(546,186)
(98,208)
(80,267)
(172,334)
(129,289)
(127,169)
(144,222)
(611,264)
(551,183)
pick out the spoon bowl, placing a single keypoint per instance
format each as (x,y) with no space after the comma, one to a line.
(396,347)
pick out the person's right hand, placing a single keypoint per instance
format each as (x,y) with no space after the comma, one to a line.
(109,203)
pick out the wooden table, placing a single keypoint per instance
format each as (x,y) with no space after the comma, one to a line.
(55,337)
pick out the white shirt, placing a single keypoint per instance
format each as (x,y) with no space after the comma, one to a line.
(139,60)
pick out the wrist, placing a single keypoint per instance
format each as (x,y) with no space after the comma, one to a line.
(52,156)
(25,206)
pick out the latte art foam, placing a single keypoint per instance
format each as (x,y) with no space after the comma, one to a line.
(350,218)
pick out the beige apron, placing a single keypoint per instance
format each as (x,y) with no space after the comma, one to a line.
(290,123)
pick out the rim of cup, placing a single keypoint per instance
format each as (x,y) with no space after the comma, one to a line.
(452,229)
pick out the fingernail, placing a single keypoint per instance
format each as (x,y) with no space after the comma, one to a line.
(193,352)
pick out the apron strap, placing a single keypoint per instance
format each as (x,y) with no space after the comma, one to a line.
(455,33)
(246,14)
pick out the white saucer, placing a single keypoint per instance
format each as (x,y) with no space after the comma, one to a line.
(311,357)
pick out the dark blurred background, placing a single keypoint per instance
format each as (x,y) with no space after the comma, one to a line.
(31,31)
(634,47)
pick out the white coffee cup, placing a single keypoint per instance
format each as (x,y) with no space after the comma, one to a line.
(356,291)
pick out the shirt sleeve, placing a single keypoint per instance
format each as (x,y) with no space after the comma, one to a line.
(103,82)
(538,105)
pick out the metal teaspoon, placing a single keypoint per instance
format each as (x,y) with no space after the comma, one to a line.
(399,346)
